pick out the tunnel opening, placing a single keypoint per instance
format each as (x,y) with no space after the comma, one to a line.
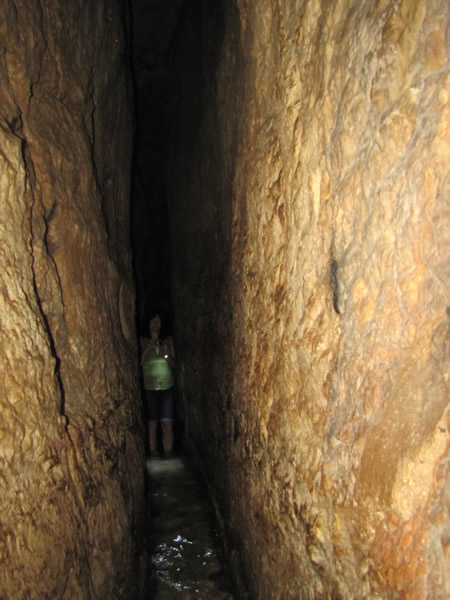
(170,59)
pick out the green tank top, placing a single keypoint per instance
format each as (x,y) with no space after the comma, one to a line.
(156,370)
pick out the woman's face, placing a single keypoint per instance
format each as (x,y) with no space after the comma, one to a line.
(155,324)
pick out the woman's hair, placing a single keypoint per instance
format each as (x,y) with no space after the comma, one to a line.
(158,312)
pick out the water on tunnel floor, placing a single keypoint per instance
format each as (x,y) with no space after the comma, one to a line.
(184,541)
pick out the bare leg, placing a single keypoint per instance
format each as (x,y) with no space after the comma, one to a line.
(167,431)
(153,438)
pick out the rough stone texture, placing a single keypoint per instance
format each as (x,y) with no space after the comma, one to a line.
(309,203)
(71,451)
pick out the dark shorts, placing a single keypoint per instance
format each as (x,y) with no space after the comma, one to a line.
(159,405)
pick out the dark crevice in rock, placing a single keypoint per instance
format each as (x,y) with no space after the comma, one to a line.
(30,186)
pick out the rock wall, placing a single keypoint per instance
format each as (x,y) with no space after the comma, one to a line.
(309,198)
(71,450)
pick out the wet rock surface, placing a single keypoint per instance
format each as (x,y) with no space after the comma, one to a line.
(185,547)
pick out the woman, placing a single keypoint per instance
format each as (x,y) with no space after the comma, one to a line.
(158,362)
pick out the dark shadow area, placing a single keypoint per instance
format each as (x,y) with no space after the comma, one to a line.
(154,25)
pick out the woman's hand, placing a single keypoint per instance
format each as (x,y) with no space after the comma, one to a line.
(169,352)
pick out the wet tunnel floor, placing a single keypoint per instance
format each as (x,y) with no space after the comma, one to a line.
(184,542)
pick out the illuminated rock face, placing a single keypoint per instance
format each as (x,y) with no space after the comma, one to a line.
(71,484)
(310,197)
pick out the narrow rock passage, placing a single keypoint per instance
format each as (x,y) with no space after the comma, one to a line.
(184,543)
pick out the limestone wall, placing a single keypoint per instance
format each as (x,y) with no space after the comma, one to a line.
(310,195)
(71,473)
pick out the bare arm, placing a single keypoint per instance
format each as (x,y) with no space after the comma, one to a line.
(145,344)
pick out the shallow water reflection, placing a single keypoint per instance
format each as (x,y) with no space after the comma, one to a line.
(185,548)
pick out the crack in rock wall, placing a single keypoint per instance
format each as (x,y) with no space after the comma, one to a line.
(71,449)
(309,210)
